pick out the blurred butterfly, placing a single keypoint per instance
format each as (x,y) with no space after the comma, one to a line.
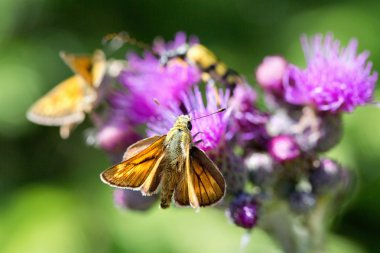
(184,172)
(66,104)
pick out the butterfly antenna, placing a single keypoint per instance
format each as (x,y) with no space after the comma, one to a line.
(117,40)
(218,111)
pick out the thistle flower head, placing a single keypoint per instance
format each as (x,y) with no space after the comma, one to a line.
(146,80)
(178,46)
(209,131)
(336,79)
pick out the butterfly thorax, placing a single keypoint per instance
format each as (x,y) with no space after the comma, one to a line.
(178,142)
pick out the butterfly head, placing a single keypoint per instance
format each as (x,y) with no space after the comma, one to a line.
(183,122)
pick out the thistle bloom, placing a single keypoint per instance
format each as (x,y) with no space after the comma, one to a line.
(147,81)
(178,46)
(335,80)
(210,130)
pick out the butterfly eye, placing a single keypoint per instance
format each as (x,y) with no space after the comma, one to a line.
(189,125)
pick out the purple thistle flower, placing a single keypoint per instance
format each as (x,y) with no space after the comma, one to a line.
(335,80)
(284,148)
(211,130)
(248,123)
(178,46)
(147,80)
(243,211)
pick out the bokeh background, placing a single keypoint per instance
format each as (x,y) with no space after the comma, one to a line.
(51,198)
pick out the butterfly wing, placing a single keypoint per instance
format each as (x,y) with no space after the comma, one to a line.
(90,68)
(99,66)
(139,146)
(79,64)
(64,105)
(203,184)
(141,171)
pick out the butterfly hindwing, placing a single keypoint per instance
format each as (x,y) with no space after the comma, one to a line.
(141,171)
(63,105)
(203,184)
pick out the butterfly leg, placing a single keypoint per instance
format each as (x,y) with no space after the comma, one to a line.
(65,130)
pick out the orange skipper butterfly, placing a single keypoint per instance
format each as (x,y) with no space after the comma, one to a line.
(66,104)
(184,172)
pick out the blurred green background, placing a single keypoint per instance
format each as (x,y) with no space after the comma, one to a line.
(51,198)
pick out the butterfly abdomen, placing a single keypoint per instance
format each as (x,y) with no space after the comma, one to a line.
(169,182)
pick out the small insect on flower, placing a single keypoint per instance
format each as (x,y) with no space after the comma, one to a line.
(172,160)
(66,104)
(188,51)
(200,56)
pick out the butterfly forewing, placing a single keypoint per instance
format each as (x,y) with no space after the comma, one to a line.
(204,184)
(63,105)
(90,68)
(139,146)
(81,65)
(142,170)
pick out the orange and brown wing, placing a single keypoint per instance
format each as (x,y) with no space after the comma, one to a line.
(140,172)
(80,64)
(203,184)
(90,67)
(139,146)
(63,105)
